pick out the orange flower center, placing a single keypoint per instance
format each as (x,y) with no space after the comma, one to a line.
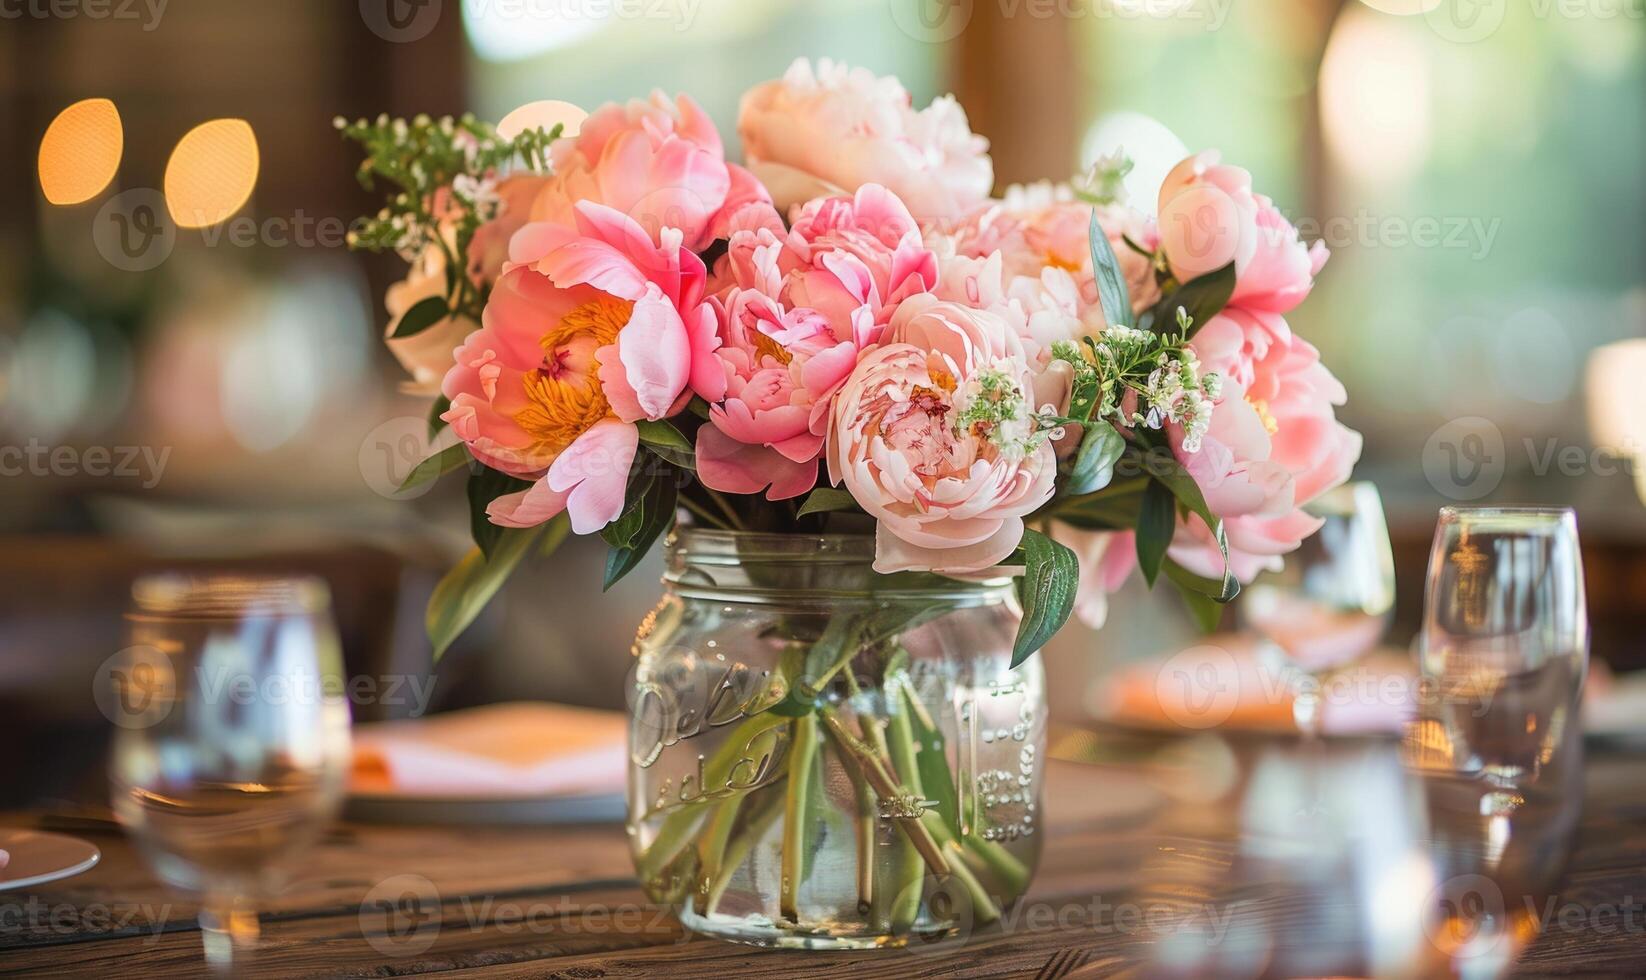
(563,394)
(768,347)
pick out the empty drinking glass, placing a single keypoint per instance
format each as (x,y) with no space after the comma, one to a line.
(1505,644)
(232,739)
(1331,602)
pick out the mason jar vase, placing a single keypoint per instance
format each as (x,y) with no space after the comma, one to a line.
(826,757)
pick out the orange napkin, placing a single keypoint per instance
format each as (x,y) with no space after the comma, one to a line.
(522,749)
(1224,682)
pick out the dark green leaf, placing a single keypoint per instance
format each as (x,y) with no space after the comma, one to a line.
(436,466)
(1204,610)
(621,532)
(1170,473)
(1223,591)
(1156,522)
(1111,285)
(465,590)
(658,514)
(1201,298)
(826,499)
(1114,508)
(420,317)
(436,423)
(662,434)
(1093,466)
(1051,575)
(486,485)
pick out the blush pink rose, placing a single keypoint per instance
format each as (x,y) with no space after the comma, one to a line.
(796,310)
(947,477)
(590,330)
(832,129)
(658,162)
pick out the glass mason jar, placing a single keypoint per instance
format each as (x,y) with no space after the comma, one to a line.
(825,757)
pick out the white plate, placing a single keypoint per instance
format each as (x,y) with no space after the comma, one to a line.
(38,857)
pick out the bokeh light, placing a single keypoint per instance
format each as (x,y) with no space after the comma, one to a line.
(80,153)
(1375,89)
(545,114)
(211,172)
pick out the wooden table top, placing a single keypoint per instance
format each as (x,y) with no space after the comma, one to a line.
(1136,832)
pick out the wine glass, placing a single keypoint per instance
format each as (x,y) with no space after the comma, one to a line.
(232,739)
(1331,602)
(1505,642)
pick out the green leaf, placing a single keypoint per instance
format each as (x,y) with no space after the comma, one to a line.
(1155,523)
(465,590)
(436,466)
(621,532)
(1051,574)
(1201,298)
(423,315)
(436,423)
(1114,508)
(1111,285)
(1093,468)
(662,434)
(486,485)
(657,513)
(1221,592)
(1170,473)
(1203,609)
(825,499)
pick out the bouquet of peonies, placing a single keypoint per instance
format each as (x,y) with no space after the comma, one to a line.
(618,326)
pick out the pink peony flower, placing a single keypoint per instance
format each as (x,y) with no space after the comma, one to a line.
(1281,270)
(1044,226)
(1208,216)
(833,129)
(933,435)
(589,330)
(1272,447)
(662,164)
(797,309)
(1106,561)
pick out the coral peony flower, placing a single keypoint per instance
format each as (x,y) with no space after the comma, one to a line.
(836,128)
(796,310)
(933,434)
(426,355)
(589,330)
(660,163)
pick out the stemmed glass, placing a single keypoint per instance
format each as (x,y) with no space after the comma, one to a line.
(1331,602)
(232,739)
(1505,637)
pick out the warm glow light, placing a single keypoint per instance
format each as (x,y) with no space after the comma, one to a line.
(81,151)
(544,114)
(211,172)
(1374,97)
(1617,403)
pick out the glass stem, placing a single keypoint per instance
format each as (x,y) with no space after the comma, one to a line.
(229,931)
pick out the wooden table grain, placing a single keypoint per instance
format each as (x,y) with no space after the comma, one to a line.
(1121,836)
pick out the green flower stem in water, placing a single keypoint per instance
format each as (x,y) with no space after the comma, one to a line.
(676,832)
(712,841)
(797,815)
(900,743)
(762,811)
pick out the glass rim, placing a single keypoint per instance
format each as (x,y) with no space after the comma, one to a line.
(1453,512)
(181,594)
(850,553)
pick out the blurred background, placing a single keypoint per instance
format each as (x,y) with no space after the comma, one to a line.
(172,395)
